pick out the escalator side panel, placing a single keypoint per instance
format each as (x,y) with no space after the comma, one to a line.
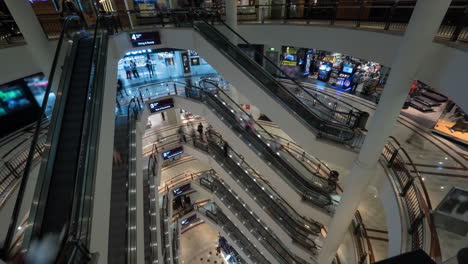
(60,196)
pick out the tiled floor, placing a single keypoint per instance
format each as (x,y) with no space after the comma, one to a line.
(198,245)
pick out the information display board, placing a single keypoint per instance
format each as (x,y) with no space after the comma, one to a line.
(141,39)
(157,106)
(172,153)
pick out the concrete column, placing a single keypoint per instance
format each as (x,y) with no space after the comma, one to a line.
(420,32)
(172,116)
(33,34)
(231,18)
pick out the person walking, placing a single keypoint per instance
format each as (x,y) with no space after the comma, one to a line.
(149,66)
(133,66)
(128,71)
(200,131)
(181,133)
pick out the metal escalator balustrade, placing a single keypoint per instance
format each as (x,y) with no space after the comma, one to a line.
(298,228)
(61,205)
(217,216)
(314,188)
(323,119)
(251,221)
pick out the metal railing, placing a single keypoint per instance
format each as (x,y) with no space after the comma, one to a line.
(298,228)
(418,205)
(133,116)
(313,187)
(365,254)
(377,15)
(153,172)
(218,217)
(250,220)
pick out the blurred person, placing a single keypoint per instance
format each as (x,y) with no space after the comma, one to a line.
(181,133)
(128,71)
(133,67)
(200,131)
(149,66)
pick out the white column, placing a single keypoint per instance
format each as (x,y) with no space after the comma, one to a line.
(424,23)
(231,17)
(172,116)
(33,34)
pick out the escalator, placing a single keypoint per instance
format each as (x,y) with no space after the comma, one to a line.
(62,203)
(334,123)
(64,173)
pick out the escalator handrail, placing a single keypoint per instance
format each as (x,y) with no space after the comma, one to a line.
(84,126)
(262,128)
(324,123)
(24,179)
(271,63)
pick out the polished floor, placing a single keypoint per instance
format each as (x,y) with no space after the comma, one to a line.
(198,245)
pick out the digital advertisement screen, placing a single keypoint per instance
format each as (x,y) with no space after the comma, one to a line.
(348,69)
(145,39)
(161,105)
(172,153)
(17,105)
(12,98)
(181,189)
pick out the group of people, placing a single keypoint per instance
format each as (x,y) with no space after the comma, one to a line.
(131,69)
(193,132)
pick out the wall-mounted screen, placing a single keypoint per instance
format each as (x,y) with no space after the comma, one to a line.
(161,105)
(17,106)
(172,153)
(142,39)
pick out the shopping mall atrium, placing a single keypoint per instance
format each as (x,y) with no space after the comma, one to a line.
(234,131)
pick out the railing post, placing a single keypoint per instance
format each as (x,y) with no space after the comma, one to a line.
(361,11)
(333,14)
(12,170)
(390,16)
(416,223)
(175,89)
(460,25)
(406,187)
(392,158)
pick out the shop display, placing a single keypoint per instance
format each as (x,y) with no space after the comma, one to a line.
(423,98)
(345,77)
(324,71)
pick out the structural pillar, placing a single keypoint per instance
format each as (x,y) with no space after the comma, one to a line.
(33,34)
(416,43)
(172,116)
(231,18)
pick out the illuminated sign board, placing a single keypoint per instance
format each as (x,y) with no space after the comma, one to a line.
(161,105)
(145,39)
(172,153)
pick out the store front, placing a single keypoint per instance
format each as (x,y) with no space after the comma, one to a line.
(437,112)
(150,65)
(339,71)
